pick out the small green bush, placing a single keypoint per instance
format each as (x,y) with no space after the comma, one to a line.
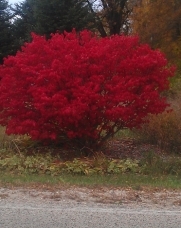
(160,165)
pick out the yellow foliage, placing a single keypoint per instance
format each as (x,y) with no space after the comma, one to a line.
(164,129)
(158,23)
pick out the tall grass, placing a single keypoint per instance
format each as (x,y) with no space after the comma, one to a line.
(7,141)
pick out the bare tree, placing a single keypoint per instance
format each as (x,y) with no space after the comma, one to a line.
(111,16)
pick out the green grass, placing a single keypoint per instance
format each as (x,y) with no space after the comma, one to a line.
(125,133)
(125,180)
(134,181)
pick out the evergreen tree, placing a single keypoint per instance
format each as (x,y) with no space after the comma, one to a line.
(24,22)
(45,17)
(60,15)
(5,30)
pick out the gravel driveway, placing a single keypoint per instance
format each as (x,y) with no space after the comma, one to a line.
(89,207)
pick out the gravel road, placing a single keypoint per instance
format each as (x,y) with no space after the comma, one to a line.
(94,208)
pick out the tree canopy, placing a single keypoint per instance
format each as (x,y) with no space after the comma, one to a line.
(111,16)
(158,23)
(45,17)
(5,30)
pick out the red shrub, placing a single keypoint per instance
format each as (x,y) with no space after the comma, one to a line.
(80,86)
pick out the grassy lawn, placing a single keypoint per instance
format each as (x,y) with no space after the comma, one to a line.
(133,181)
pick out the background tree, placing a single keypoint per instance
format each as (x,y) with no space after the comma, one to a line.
(5,30)
(23,22)
(111,16)
(64,15)
(158,23)
(45,17)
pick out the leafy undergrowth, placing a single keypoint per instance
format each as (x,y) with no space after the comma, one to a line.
(52,164)
(24,161)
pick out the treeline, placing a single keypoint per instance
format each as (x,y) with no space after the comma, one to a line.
(157,22)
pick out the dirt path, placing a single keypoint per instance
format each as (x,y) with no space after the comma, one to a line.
(148,198)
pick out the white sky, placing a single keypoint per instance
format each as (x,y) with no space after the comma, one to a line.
(14,1)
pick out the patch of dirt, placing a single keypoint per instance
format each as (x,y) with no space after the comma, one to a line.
(116,148)
(129,148)
(3,196)
(144,198)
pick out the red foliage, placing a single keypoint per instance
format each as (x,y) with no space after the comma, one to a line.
(81,86)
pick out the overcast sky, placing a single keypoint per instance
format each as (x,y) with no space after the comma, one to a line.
(14,1)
